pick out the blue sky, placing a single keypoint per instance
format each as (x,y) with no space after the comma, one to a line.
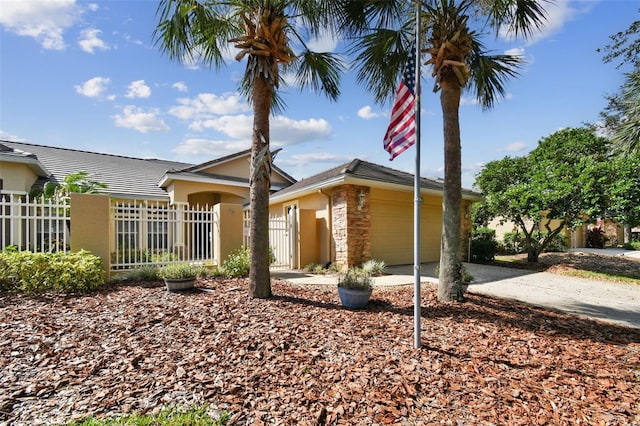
(86,75)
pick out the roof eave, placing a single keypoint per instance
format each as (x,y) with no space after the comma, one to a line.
(33,163)
(346,179)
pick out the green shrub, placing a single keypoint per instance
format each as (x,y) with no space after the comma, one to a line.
(512,243)
(483,244)
(28,272)
(633,245)
(558,244)
(237,263)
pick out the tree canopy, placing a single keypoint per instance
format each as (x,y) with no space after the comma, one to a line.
(561,183)
(622,114)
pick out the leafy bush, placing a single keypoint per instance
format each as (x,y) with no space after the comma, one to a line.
(512,243)
(28,272)
(483,244)
(237,263)
(356,279)
(633,245)
(558,244)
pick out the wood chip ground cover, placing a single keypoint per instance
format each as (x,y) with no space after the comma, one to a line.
(300,358)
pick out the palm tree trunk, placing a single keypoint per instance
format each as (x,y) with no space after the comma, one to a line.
(450,257)
(259,276)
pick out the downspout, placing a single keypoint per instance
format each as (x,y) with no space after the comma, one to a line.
(330,222)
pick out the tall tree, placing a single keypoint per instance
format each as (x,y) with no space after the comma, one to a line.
(623,192)
(564,181)
(622,114)
(383,32)
(262,31)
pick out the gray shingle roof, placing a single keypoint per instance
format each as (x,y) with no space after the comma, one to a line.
(360,169)
(125,176)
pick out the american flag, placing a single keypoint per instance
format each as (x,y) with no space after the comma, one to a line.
(401,133)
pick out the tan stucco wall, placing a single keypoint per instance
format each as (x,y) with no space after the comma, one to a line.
(239,167)
(392,224)
(180,191)
(90,226)
(16,177)
(228,235)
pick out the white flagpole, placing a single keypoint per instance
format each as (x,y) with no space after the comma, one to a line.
(416,189)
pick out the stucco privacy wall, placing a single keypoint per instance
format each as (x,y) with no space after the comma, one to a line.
(90,226)
(93,230)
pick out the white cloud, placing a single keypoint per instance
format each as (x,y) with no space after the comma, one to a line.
(6,136)
(327,42)
(138,89)
(210,148)
(367,114)
(44,20)
(135,118)
(93,88)
(180,86)
(516,51)
(206,105)
(283,130)
(514,147)
(558,14)
(90,40)
(298,160)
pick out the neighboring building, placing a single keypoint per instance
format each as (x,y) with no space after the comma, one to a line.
(575,238)
(346,215)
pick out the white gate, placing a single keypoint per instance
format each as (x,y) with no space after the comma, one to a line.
(282,239)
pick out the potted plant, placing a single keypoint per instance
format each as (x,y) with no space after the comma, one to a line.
(179,276)
(354,288)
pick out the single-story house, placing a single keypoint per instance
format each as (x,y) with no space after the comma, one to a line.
(346,215)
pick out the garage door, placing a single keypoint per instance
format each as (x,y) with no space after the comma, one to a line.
(392,227)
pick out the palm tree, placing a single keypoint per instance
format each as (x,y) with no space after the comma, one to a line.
(382,32)
(262,31)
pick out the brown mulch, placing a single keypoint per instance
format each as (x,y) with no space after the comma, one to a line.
(300,358)
(572,263)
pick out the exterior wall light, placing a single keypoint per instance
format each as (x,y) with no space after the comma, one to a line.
(362,197)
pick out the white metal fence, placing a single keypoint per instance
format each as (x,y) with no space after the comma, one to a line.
(148,233)
(280,242)
(36,225)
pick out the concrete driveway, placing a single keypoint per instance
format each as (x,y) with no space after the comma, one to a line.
(606,301)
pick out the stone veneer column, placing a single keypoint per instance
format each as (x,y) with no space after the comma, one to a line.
(351,226)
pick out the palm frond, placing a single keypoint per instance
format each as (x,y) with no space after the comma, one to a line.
(489,74)
(380,57)
(521,17)
(187,28)
(320,72)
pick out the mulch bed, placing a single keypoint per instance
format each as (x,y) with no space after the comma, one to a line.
(570,263)
(300,358)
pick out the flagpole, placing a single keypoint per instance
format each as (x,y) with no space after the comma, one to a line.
(416,189)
